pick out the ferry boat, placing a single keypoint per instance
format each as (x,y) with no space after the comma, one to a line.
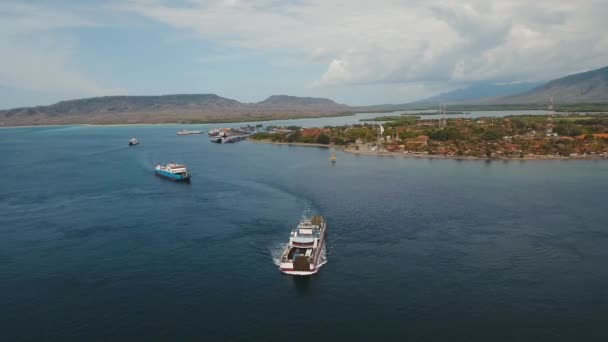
(186,132)
(133,142)
(303,255)
(228,137)
(172,171)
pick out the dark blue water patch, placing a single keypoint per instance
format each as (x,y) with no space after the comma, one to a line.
(93,246)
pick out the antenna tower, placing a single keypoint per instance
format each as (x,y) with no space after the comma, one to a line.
(550,115)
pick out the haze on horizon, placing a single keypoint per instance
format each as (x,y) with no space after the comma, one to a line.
(355,52)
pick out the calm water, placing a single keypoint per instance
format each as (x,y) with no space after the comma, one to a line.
(93,246)
(356,119)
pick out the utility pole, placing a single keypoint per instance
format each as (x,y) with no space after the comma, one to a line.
(443,120)
(550,115)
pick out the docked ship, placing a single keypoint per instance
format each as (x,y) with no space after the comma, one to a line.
(304,253)
(172,171)
(228,136)
(186,132)
(133,142)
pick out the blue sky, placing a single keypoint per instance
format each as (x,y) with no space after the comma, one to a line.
(355,52)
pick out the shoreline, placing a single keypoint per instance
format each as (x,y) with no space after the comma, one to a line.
(288,143)
(210,122)
(432,156)
(264,119)
(439,156)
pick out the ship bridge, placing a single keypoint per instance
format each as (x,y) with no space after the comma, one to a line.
(305,235)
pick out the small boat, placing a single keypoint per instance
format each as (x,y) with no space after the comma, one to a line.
(172,171)
(186,132)
(333,156)
(213,132)
(133,142)
(304,253)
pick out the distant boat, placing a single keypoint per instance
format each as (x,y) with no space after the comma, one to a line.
(133,142)
(333,156)
(213,132)
(186,132)
(174,172)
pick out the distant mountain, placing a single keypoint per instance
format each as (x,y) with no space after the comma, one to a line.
(195,108)
(479,91)
(111,104)
(586,87)
(285,100)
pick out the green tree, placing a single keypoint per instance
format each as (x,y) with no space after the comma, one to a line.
(339,141)
(446,134)
(293,137)
(323,139)
(491,134)
(307,139)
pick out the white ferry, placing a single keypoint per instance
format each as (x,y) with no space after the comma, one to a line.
(186,132)
(213,132)
(304,253)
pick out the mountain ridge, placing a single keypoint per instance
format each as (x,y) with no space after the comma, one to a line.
(587,87)
(479,90)
(169,108)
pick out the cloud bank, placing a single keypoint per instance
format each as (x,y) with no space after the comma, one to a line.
(35,57)
(363,51)
(383,41)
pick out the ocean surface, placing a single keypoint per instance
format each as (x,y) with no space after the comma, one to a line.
(356,118)
(93,246)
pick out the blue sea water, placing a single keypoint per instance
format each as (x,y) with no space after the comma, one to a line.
(356,118)
(93,246)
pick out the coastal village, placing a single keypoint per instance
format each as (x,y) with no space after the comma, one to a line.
(515,137)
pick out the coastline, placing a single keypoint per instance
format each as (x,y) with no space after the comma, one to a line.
(440,156)
(432,156)
(264,141)
(202,122)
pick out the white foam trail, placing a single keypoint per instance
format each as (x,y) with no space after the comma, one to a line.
(277,252)
(323,258)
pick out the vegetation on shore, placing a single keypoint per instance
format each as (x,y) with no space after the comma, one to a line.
(507,137)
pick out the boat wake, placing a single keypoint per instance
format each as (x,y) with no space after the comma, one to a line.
(276,253)
(323,258)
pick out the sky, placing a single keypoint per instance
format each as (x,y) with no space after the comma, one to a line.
(354,52)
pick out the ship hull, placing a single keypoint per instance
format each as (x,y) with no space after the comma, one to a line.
(299,273)
(172,176)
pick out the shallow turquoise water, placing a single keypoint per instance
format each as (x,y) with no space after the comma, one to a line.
(93,246)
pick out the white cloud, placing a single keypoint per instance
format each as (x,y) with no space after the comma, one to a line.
(35,57)
(386,41)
